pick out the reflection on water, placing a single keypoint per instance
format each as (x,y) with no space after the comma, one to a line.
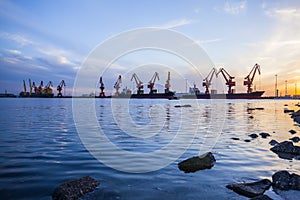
(40,147)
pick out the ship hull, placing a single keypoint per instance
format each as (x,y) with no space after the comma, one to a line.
(169,95)
(252,95)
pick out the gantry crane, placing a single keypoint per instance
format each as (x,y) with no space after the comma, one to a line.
(24,86)
(207,81)
(102,94)
(40,88)
(117,85)
(30,87)
(229,79)
(48,89)
(152,82)
(139,83)
(60,88)
(168,85)
(249,81)
(34,87)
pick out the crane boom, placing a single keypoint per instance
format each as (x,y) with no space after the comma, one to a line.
(249,81)
(24,86)
(228,78)
(168,85)
(207,81)
(117,85)
(30,87)
(152,82)
(139,83)
(60,88)
(102,94)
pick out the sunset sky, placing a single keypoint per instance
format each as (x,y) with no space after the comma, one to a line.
(49,40)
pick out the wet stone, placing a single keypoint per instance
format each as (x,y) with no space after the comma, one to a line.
(296,114)
(251,117)
(205,161)
(286,147)
(74,189)
(295,139)
(235,138)
(247,140)
(273,142)
(264,135)
(251,189)
(292,131)
(283,180)
(253,135)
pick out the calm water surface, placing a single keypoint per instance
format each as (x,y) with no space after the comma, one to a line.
(40,147)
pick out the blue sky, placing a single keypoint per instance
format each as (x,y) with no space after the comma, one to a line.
(49,40)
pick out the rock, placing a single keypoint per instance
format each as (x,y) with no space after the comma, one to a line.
(234,138)
(296,114)
(259,108)
(286,147)
(205,161)
(292,131)
(283,180)
(252,189)
(183,106)
(295,139)
(247,140)
(75,188)
(273,142)
(297,119)
(264,135)
(253,135)
(262,197)
(286,105)
(250,117)
(250,109)
(288,110)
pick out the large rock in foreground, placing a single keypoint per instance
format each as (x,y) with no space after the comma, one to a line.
(285,181)
(286,147)
(75,188)
(296,114)
(252,189)
(205,161)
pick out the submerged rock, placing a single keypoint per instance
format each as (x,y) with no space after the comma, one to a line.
(205,161)
(75,188)
(273,142)
(295,139)
(183,106)
(292,131)
(259,108)
(253,135)
(235,138)
(283,180)
(247,140)
(250,117)
(264,135)
(286,147)
(251,189)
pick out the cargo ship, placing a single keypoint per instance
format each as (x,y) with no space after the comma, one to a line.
(252,95)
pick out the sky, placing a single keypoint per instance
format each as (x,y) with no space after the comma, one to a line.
(50,40)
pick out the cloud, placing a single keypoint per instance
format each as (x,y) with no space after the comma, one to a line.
(176,23)
(14,52)
(21,40)
(234,8)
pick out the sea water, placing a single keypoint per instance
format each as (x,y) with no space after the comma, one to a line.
(43,143)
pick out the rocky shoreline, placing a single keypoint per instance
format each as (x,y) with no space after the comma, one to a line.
(281,180)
